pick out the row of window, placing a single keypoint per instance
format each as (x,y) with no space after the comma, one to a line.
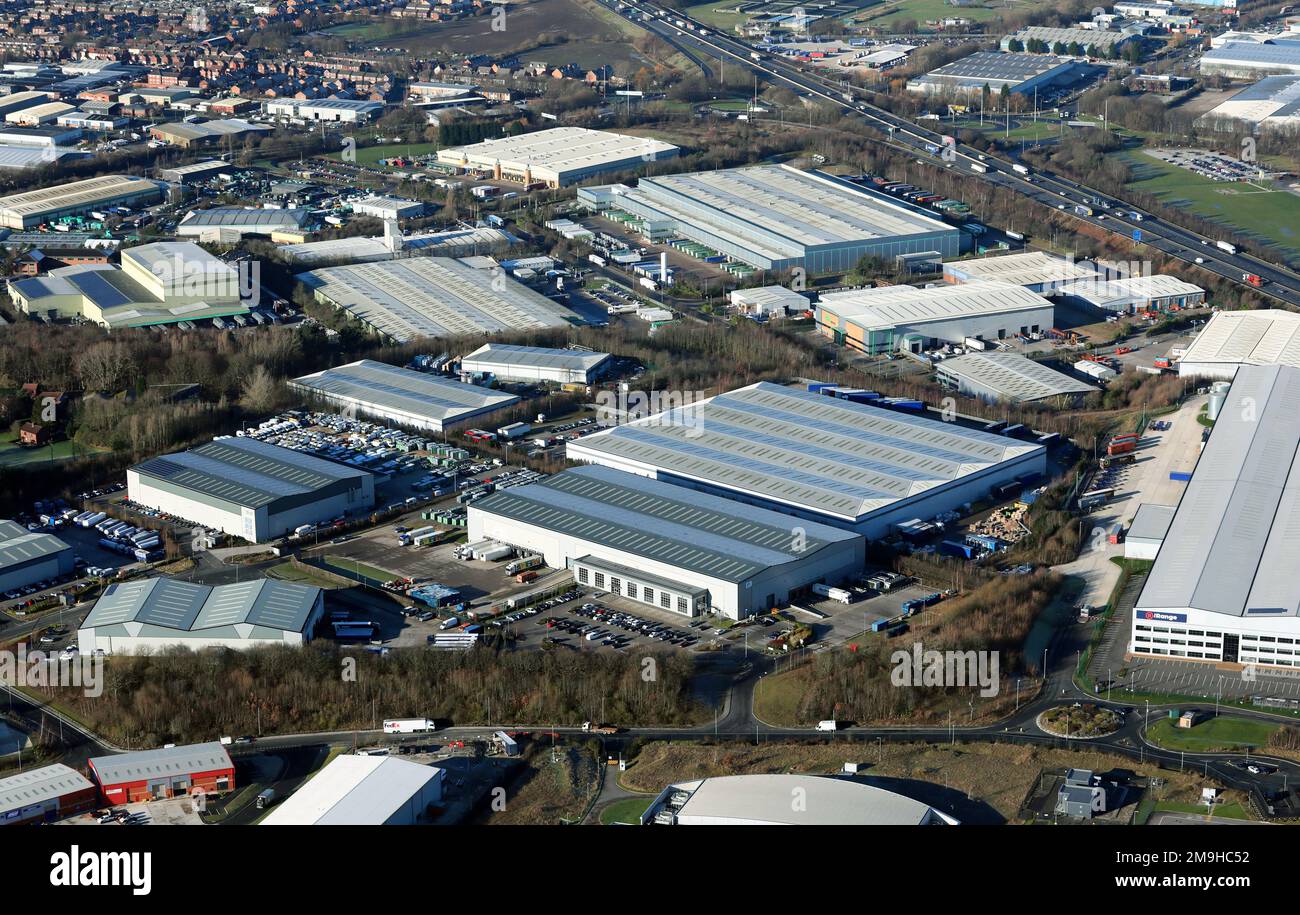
(643,593)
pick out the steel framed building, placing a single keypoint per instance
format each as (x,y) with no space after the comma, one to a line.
(1246,59)
(250,489)
(402,396)
(535,363)
(559,156)
(1223,589)
(849,465)
(44,795)
(32,208)
(777,217)
(1009,377)
(887,319)
(149,614)
(358,790)
(27,557)
(147,775)
(434,297)
(1135,293)
(1231,339)
(1019,73)
(681,551)
(1037,271)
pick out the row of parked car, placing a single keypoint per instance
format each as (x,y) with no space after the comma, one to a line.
(631,624)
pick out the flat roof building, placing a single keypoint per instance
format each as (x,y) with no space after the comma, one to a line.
(75,198)
(558,156)
(176,771)
(1246,59)
(155,613)
(1223,588)
(769,301)
(250,489)
(1095,42)
(1272,102)
(1009,378)
(392,245)
(850,465)
(408,398)
(764,800)
(195,171)
(535,363)
(434,297)
(44,795)
(187,134)
(1126,295)
(888,319)
(1231,339)
(1019,73)
(777,217)
(385,207)
(236,222)
(337,110)
(1037,271)
(663,545)
(27,557)
(358,790)
(1147,532)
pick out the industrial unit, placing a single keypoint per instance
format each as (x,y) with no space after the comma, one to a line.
(393,244)
(1223,588)
(225,223)
(207,133)
(27,557)
(662,545)
(75,198)
(849,465)
(195,171)
(434,297)
(1231,339)
(360,790)
(1148,531)
(409,398)
(558,157)
(535,363)
(1253,59)
(44,795)
(389,207)
(768,301)
(888,319)
(159,283)
(1010,378)
(334,110)
(148,775)
(765,800)
(1129,294)
(1094,42)
(1273,102)
(250,489)
(777,217)
(1037,271)
(1020,73)
(148,614)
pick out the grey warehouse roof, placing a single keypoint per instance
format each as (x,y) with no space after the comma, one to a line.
(1013,376)
(143,765)
(37,785)
(996,66)
(1234,541)
(20,547)
(809,451)
(1261,337)
(168,606)
(393,389)
(1151,522)
(250,473)
(701,533)
(245,216)
(537,357)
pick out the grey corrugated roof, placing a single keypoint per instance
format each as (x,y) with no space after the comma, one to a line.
(168,762)
(37,785)
(170,607)
(1151,522)
(423,396)
(809,451)
(19,546)
(1013,376)
(703,533)
(1234,541)
(538,356)
(245,216)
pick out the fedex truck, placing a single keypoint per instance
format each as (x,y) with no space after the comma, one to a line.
(409,725)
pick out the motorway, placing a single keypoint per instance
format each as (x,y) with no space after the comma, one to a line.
(1043,187)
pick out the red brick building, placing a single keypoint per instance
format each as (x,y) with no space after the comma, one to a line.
(149,775)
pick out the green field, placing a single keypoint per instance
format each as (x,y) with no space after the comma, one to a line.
(370,155)
(1215,734)
(721,15)
(1268,216)
(350,568)
(923,10)
(13,456)
(287,571)
(627,811)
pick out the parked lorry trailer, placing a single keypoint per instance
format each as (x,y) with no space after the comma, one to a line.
(409,725)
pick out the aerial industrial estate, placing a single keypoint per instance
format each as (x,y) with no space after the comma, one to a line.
(603,412)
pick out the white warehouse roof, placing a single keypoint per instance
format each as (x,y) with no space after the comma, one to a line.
(1230,338)
(559,151)
(541,357)
(1122,291)
(890,306)
(1011,376)
(1030,268)
(741,800)
(353,790)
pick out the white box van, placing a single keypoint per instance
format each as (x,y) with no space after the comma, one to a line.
(828,725)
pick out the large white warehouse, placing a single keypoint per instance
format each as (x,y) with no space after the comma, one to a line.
(26,558)
(154,613)
(402,396)
(677,550)
(887,319)
(250,489)
(1037,271)
(535,363)
(557,157)
(362,791)
(1223,588)
(1231,339)
(849,465)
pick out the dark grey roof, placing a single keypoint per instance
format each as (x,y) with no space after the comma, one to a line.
(168,606)
(168,762)
(421,395)
(20,547)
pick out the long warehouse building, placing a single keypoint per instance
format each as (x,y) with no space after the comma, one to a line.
(397,395)
(250,489)
(1009,378)
(662,545)
(34,208)
(1231,339)
(857,467)
(435,297)
(362,790)
(558,157)
(27,557)
(777,217)
(888,319)
(535,363)
(1223,588)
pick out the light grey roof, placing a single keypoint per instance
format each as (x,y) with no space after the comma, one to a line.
(250,473)
(828,801)
(536,356)
(1253,54)
(902,305)
(260,217)
(1151,522)
(167,762)
(808,451)
(37,785)
(419,395)
(690,530)
(20,547)
(1234,541)
(1262,337)
(619,570)
(168,606)
(353,791)
(1012,376)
